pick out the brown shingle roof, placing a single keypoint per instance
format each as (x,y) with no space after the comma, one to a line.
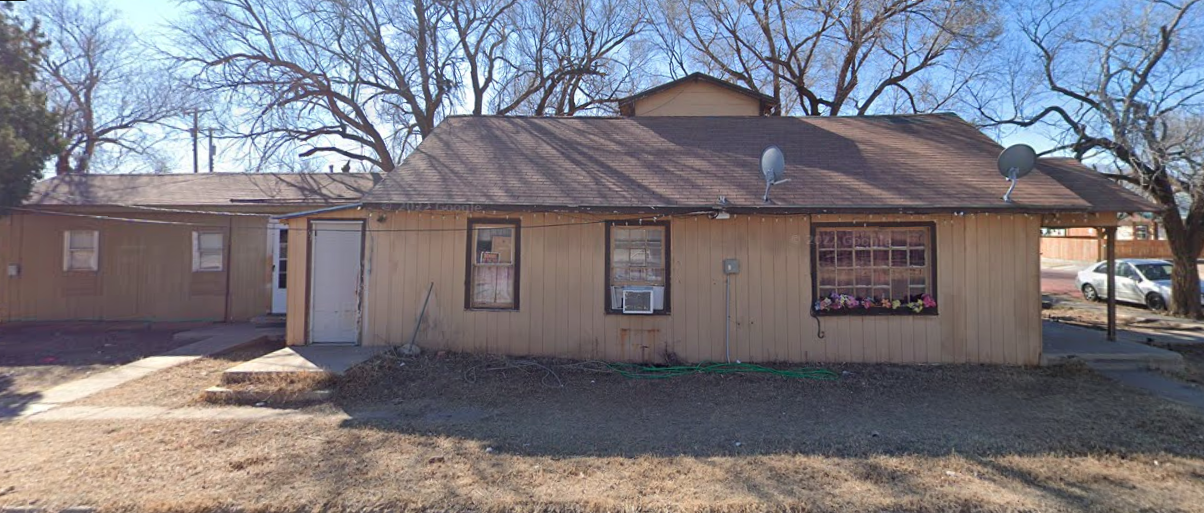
(915,163)
(210,189)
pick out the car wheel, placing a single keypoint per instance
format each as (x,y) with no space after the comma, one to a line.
(1155,301)
(1089,293)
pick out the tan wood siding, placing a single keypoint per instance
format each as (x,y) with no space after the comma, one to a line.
(698,99)
(145,270)
(987,271)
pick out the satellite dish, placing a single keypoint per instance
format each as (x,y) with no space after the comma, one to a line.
(773,166)
(1015,162)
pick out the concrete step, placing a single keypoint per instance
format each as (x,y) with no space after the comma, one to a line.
(308,363)
(264,396)
(241,374)
(269,321)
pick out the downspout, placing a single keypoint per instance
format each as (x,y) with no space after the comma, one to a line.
(229,265)
(727,316)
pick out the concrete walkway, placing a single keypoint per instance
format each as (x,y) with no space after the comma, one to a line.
(212,340)
(245,413)
(1065,343)
(1127,361)
(1158,385)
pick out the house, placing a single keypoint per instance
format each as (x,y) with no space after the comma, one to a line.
(647,237)
(1138,235)
(157,247)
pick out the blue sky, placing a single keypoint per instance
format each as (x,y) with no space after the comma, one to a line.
(145,13)
(148,17)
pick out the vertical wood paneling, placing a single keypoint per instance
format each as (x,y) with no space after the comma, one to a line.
(145,270)
(987,270)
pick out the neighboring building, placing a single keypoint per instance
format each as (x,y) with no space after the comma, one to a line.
(157,247)
(545,236)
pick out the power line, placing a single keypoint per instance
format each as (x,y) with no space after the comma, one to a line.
(582,222)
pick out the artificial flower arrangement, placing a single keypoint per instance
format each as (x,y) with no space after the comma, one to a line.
(844,302)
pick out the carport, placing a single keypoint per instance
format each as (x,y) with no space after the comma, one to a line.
(1106,224)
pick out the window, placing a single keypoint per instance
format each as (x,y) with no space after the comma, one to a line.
(80,248)
(1141,232)
(493,265)
(638,256)
(875,269)
(1125,271)
(282,262)
(1102,268)
(207,251)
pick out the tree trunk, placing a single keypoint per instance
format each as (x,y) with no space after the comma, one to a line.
(1185,276)
(62,164)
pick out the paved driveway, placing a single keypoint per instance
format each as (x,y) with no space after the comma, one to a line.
(1058,277)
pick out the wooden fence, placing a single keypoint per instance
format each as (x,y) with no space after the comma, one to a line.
(1092,249)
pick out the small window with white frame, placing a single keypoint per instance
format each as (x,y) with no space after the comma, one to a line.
(80,249)
(207,251)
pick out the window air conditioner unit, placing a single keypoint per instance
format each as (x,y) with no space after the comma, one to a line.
(638,300)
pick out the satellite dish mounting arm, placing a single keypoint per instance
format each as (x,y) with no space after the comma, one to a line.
(769,185)
(1012,177)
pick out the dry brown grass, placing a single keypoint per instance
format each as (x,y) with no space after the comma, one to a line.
(1193,362)
(447,435)
(180,385)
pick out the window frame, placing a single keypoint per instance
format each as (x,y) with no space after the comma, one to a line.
(610,309)
(932,288)
(470,262)
(94,262)
(196,251)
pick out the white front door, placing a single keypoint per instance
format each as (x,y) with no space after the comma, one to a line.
(336,255)
(278,242)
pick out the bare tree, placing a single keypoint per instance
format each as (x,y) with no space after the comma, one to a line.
(109,95)
(357,78)
(831,57)
(367,79)
(588,51)
(1124,89)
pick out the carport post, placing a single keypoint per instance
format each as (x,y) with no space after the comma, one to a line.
(1110,231)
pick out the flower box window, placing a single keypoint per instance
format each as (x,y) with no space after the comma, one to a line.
(874,269)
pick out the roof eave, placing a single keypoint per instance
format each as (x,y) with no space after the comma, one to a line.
(740,209)
(319,211)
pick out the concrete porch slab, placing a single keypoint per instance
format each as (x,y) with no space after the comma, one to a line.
(328,360)
(1066,344)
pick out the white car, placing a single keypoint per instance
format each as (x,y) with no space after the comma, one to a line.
(1143,281)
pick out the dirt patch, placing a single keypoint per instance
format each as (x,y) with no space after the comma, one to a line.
(180,385)
(485,434)
(1079,311)
(37,356)
(873,409)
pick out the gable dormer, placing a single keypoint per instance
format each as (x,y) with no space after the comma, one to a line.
(697,94)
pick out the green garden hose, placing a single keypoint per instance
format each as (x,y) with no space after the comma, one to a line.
(633,371)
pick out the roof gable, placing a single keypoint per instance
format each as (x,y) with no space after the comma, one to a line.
(765,103)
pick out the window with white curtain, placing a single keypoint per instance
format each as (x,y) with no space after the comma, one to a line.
(207,251)
(80,248)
